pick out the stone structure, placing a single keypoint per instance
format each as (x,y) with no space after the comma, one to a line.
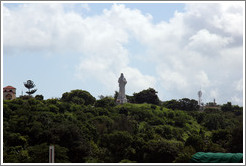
(212,105)
(9,93)
(122,96)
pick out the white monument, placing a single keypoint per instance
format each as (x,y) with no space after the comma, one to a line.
(122,96)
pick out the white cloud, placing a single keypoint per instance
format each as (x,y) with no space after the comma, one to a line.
(236,100)
(202,55)
(231,18)
(238,85)
(198,48)
(206,43)
(173,80)
(214,93)
(202,79)
(223,18)
(136,81)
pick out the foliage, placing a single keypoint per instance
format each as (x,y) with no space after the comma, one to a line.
(78,97)
(39,97)
(30,85)
(147,96)
(221,137)
(196,142)
(228,107)
(185,155)
(118,143)
(236,141)
(105,102)
(161,151)
(38,154)
(84,129)
(182,104)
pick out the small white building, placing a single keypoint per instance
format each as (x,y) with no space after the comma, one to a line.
(9,93)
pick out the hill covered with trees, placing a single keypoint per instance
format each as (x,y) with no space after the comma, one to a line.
(146,130)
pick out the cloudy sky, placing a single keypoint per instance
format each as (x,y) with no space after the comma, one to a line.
(177,49)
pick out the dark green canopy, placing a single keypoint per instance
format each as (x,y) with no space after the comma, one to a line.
(202,157)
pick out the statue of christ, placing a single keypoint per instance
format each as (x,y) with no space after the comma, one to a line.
(122,83)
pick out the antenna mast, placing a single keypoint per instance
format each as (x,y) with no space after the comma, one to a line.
(200,99)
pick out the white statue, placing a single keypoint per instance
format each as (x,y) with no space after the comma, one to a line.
(122,83)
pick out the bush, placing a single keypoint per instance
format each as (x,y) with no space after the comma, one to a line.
(123,110)
(53,108)
(79,97)
(162,151)
(25,97)
(227,107)
(196,142)
(185,155)
(165,131)
(214,121)
(40,154)
(236,142)
(52,101)
(118,143)
(105,102)
(147,96)
(39,97)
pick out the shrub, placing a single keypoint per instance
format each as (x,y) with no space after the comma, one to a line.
(39,97)
(78,96)
(185,155)
(196,142)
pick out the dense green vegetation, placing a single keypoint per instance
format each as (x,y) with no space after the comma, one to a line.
(84,129)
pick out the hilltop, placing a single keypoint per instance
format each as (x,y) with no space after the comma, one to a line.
(84,129)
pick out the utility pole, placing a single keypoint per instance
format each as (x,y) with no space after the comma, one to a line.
(51,154)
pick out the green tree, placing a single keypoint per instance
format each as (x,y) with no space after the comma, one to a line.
(130,99)
(105,102)
(185,155)
(39,97)
(162,151)
(15,154)
(147,96)
(15,139)
(165,131)
(214,121)
(40,154)
(116,93)
(188,104)
(103,124)
(236,142)
(30,85)
(182,104)
(196,142)
(79,97)
(227,107)
(221,137)
(122,133)
(172,104)
(119,144)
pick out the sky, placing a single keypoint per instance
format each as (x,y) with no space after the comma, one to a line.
(175,48)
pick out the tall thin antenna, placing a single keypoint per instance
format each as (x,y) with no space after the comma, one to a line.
(200,98)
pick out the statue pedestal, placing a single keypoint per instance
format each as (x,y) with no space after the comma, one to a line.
(121,100)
